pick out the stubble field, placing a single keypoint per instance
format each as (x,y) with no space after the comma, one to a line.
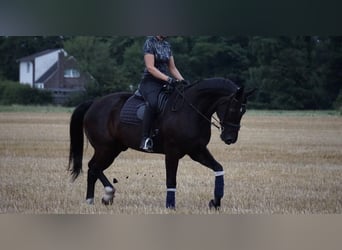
(287,163)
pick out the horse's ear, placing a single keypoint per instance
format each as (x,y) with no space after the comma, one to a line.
(250,92)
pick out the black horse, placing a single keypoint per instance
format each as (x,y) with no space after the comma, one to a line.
(183,128)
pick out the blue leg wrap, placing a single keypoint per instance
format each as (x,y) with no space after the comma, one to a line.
(170,199)
(219,186)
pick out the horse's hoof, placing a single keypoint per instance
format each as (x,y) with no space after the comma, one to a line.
(212,205)
(90,201)
(107,202)
(171,207)
(109,195)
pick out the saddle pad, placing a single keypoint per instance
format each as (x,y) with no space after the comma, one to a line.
(133,110)
(129,111)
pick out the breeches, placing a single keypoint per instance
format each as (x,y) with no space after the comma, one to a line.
(150,90)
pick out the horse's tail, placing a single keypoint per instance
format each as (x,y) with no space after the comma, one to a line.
(77,139)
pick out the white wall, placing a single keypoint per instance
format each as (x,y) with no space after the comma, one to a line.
(43,63)
(26,73)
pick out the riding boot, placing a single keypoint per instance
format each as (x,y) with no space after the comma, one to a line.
(146,142)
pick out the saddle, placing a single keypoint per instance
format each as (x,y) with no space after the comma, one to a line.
(133,110)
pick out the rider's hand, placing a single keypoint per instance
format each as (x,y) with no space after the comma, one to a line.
(172,81)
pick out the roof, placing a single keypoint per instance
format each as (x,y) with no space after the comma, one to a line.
(48,73)
(31,57)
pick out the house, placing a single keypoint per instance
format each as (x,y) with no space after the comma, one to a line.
(55,71)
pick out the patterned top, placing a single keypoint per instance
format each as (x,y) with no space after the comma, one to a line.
(161,50)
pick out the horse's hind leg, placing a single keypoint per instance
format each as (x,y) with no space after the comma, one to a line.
(101,160)
(109,189)
(91,180)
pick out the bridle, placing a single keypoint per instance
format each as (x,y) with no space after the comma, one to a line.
(221,125)
(232,125)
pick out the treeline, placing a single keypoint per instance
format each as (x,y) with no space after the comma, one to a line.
(300,72)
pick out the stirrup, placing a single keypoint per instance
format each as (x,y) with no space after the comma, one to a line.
(148,145)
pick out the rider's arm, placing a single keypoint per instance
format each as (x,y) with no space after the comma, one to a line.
(149,63)
(173,69)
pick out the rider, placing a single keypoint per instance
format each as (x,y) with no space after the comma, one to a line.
(160,69)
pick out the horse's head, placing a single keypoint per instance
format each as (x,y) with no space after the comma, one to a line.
(230,111)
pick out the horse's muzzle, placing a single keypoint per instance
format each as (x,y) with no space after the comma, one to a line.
(229,139)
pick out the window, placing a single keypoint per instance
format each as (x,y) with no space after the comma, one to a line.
(40,85)
(71,73)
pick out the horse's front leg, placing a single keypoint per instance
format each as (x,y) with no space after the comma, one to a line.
(218,190)
(204,157)
(171,163)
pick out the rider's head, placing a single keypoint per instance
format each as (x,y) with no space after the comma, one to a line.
(159,37)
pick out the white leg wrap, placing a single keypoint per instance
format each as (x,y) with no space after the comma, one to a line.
(108,189)
(109,193)
(219,173)
(171,190)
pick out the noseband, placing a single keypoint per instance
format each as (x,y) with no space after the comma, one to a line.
(231,125)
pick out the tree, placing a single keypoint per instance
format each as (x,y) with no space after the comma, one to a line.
(333,77)
(93,56)
(287,72)
(215,56)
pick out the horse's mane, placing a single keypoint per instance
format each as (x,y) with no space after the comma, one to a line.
(216,83)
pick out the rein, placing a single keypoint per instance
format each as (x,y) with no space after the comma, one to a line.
(181,93)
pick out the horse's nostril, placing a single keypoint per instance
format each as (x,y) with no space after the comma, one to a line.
(228,141)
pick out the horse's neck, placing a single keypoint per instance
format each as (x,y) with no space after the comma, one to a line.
(206,98)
